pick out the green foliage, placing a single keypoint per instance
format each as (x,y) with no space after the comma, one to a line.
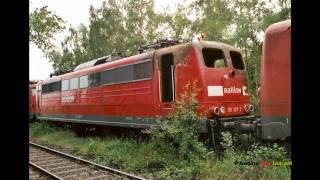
(266,153)
(225,168)
(228,144)
(41,128)
(43,24)
(74,50)
(161,160)
(216,17)
(180,130)
(256,152)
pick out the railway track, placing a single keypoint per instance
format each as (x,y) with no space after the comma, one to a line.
(36,174)
(47,163)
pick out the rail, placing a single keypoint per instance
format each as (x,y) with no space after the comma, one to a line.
(76,160)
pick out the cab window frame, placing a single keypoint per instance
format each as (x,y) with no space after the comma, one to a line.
(206,54)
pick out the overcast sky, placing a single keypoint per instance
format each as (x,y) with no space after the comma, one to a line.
(74,12)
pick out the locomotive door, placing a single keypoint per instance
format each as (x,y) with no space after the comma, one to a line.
(167,83)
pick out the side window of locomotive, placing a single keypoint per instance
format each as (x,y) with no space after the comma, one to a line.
(236,59)
(56,86)
(65,85)
(84,81)
(44,88)
(95,79)
(124,74)
(213,58)
(51,87)
(74,83)
(142,70)
(108,76)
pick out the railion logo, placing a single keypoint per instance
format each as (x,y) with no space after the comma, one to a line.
(220,90)
(232,90)
(65,99)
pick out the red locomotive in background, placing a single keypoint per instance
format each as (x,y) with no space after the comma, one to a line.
(275,83)
(132,91)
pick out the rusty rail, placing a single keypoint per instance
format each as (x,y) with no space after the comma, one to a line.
(59,165)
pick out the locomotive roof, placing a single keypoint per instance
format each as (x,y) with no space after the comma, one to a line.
(95,62)
(95,65)
(215,44)
(278,27)
(119,62)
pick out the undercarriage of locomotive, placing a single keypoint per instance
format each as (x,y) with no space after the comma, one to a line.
(249,126)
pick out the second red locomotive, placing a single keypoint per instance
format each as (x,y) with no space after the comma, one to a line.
(275,83)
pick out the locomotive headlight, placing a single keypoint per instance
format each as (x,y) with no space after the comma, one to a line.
(222,110)
(251,107)
(216,110)
(248,108)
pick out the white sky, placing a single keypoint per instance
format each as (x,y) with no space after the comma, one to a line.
(74,12)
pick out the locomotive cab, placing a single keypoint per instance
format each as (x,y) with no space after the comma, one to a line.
(221,77)
(225,93)
(224,80)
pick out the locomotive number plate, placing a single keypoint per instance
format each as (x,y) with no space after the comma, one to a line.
(234,109)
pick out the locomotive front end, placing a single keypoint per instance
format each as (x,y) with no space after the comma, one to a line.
(225,99)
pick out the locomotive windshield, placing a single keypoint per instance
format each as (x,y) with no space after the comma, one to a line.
(213,58)
(236,59)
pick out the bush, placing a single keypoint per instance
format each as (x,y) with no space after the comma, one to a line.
(227,144)
(256,152)
(180,130)
(41,128)
(225,167)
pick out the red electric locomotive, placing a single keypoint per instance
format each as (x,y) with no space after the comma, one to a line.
(275,81)
(32,99)
(132,91)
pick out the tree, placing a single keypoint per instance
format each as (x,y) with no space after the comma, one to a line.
(116,26)
(43,25)
(214,19)
(73,50)
(121,26)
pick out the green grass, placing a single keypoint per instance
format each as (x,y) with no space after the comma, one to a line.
(121,153)
(151,161)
